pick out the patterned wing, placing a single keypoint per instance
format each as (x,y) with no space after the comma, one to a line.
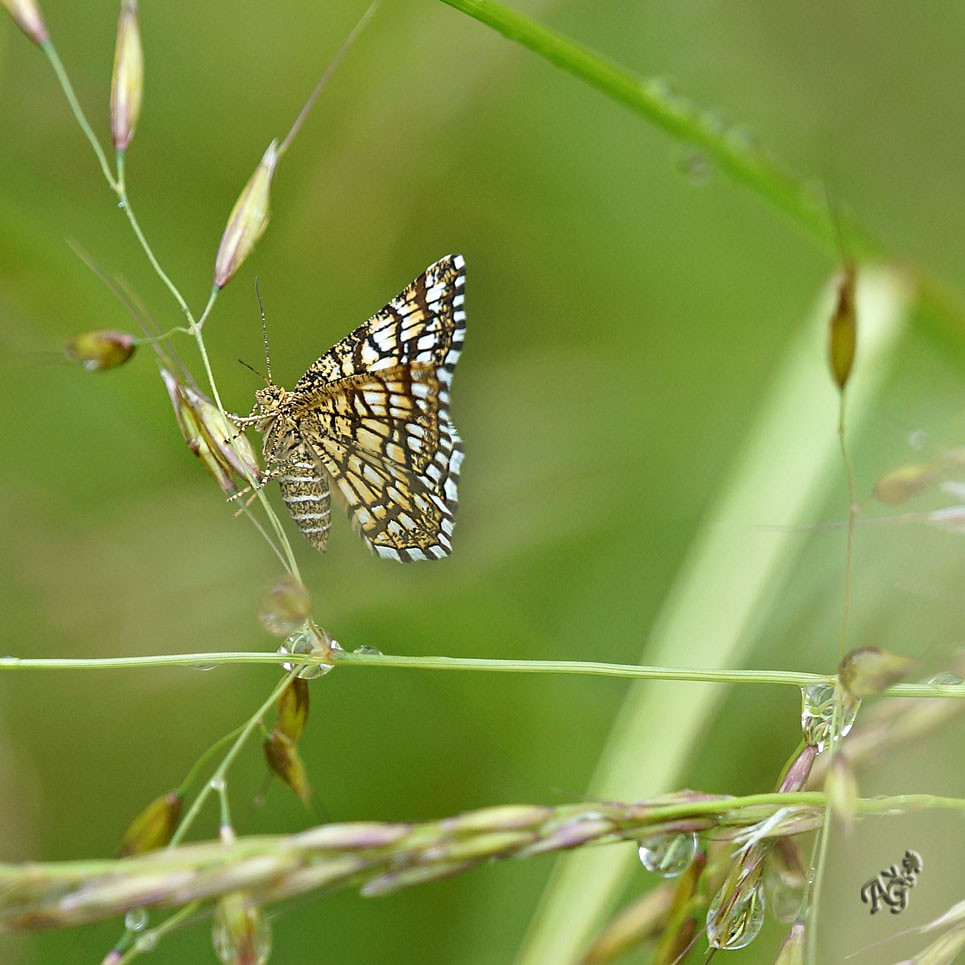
(374,410)
(424,324)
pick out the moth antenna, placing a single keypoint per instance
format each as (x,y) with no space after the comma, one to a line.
(264,333)
(253,369)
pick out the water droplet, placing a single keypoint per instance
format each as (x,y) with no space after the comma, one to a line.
(121,204)
(660,88)
(695,165)
(136,919)
(716,121)
(146,942)
(817,714)
(740,920)
(203,667)
(668,855)
(947,679)
(783,897)
(742,139)
(309,640)
(217,784)
(374,651)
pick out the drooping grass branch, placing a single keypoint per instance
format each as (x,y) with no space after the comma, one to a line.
(382,858)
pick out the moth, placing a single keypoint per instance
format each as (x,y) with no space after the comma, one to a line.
(371,420)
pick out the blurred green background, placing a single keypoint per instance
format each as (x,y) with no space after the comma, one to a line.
(624,322)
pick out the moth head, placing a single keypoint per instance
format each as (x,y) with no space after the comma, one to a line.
(269,398)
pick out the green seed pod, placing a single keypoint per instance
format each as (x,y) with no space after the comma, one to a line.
(247,221)
(841,787)
(871,670)
(286,764)
(284,607)
(293,709)
(27,15)
(791,951)
(843,331)
(127,82)
(225,454)
(240,933)
(101,349)
(154,826)
(899,485)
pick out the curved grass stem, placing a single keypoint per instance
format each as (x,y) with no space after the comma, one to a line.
(732,153)
(78,111)
(217,781)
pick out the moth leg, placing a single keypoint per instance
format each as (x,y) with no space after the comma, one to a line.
(269,473)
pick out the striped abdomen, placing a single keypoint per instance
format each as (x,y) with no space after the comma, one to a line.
(305,491)
(304,487)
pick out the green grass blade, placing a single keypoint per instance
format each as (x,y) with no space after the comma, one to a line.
(721,595)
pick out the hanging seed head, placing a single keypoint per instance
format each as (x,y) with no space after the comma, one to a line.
(225,453)
(841,787)
(153,827)
(27,15)
(127,83)
(871,670)
(792,950)
(293,709)
(240,933)
(843,331)
(795,777)
(247,221)
(284,607)
(899,485)
(286,764)
(101,349)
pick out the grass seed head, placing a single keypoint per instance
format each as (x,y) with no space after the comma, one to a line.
(843,329)
(902,483)
(841,787)
(240,933)
(284,607)
(293,709)
(247,221)
(154,826)
(27,15)
(286,764)
(792,950)
(101,349)
(127,82)
(871,670)
(225,453)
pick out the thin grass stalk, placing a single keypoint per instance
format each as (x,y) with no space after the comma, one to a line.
(592,668)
